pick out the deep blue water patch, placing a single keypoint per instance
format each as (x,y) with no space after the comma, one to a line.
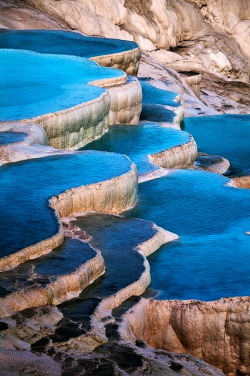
(227,135)
(62,42)
(65,259)
(139,141)
(11,137)
(211,259)
(117,239)
(157,113)
(26,186)
(33,84)
(154,95)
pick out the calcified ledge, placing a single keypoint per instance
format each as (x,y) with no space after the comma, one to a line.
(242,181)
(77,126)
(128,61)
(87,118)
(120,104)
(179,156)
(104,309)
(14,151)
(109,196)
(86,122)
(217,331)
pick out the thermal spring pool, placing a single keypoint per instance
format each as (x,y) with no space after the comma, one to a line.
(27,186)
(138,141)
(211,259)
(62,42)
(226,135)
(33,84)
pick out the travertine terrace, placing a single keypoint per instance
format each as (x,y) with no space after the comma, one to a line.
(73,266)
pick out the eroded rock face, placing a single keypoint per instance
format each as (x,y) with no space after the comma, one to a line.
(204,32)
(230,17)
(217,332)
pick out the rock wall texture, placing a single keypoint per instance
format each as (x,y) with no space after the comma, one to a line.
(230,17)
(203,35)
(217,332)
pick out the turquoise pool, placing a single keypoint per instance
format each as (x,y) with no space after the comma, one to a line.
(27,186)
(33,84)
(226,135)
(137,141)
(62,42)
(154,95)
(212,257)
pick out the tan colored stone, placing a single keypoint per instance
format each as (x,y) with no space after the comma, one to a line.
(217,332)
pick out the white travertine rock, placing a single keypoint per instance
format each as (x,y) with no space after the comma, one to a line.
(242,181)
(229,16)
(126,102)
(180,156)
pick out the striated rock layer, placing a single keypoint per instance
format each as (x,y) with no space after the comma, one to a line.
(216,331)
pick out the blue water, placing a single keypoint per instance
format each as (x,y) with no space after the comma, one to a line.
(157,113)
(64,259)
(117,238)
(11,137)
(153,95)
(139,141)
(45,269)
(226,135)
(212,257)
(33,84)
(62,42)
(25,188)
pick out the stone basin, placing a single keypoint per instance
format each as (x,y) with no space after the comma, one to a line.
(65,259)
(157,113)
(123,243)
(211,259)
